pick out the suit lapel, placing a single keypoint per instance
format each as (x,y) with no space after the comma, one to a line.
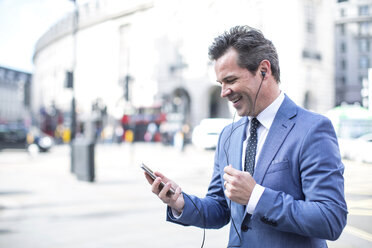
(279,130)
(235,147)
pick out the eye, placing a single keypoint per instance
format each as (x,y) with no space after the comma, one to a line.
(231,80)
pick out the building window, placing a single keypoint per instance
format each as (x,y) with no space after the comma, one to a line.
(343,81)
(343,47)
(363,62)
(363,10)
(364,28)
(363,45)
(342,12)
(342,29)
(310,26)
(343,64)
(311,55)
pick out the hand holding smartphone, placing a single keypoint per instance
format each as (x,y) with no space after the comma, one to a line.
(152,175)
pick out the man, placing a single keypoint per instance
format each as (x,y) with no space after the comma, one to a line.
(278,176)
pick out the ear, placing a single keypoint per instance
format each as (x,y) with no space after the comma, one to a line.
(264,68)
(263,74)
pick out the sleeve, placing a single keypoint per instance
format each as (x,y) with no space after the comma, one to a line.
(212,211)
(323,211)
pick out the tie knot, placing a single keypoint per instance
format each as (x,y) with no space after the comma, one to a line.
(254,124)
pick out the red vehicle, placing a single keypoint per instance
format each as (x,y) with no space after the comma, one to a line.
(144,123)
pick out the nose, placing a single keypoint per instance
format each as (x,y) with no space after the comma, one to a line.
(225,92)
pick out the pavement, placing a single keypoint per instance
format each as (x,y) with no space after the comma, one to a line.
(43,205)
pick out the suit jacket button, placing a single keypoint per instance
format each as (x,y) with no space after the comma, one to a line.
(265,220)
(245,228)
(273,223)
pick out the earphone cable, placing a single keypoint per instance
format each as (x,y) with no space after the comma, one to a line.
(201,215)
(255,99)
(232,130)
(227,159)
(229,139)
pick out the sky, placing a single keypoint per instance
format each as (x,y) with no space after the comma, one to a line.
(22,23)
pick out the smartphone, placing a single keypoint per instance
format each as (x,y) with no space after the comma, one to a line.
(152,175)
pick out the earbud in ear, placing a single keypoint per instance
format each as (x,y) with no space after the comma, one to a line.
(263,74)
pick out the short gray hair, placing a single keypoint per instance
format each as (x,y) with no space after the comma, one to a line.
(252,48)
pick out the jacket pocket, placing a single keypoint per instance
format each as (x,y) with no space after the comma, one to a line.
(278,166)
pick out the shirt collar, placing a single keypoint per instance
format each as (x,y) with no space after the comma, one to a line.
(266,117)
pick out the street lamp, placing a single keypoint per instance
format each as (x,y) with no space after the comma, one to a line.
(73,74)
(70,77)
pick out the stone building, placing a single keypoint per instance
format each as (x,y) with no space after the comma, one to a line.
(149,52)
(353,49)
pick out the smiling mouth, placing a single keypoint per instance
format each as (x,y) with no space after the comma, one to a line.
(236,100)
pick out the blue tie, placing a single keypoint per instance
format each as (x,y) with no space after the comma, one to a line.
(250,152)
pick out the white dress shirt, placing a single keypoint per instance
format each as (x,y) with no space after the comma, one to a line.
(266,118)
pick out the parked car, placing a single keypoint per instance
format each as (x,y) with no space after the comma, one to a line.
(205,135)
(17,136)
(13,136)
(358,149)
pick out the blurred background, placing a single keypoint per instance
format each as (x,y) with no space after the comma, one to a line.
(84,82)
(100,69)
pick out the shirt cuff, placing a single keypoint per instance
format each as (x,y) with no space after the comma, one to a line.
(255,197)
(175,214)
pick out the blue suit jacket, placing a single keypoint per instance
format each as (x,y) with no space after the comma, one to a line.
(300,167)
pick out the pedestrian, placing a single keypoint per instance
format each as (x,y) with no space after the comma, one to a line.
(278,175)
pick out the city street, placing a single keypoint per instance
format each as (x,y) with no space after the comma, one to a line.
(43,205)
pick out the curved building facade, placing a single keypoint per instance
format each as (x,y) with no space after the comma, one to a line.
(143,53)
